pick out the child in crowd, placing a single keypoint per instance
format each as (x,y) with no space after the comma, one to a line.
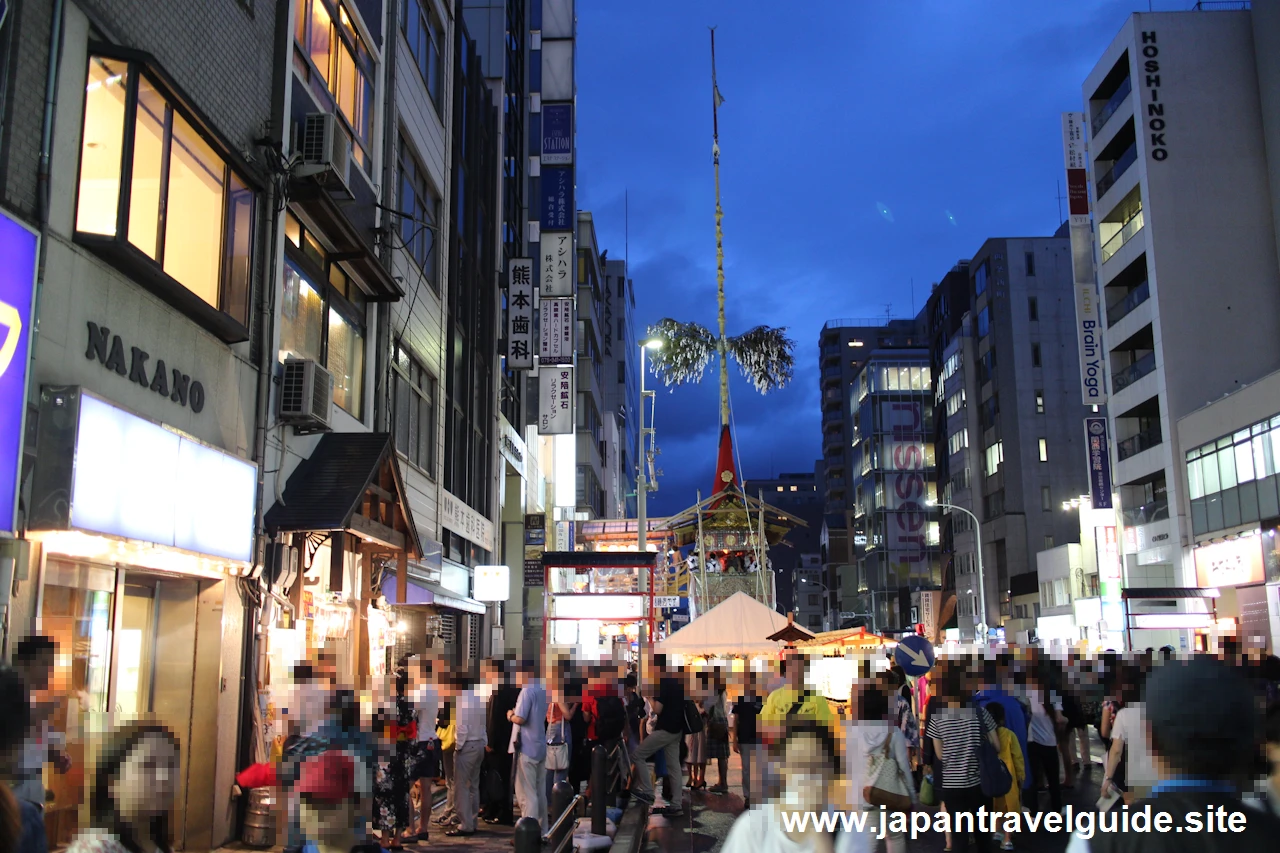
(1011,755)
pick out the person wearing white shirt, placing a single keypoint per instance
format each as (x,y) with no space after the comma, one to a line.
(865,748)
(469,744)
(1042,738)
(424,764)
(808,771)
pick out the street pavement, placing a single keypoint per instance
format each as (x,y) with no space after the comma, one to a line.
(708,817)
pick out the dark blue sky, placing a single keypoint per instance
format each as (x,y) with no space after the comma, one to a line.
(864,144)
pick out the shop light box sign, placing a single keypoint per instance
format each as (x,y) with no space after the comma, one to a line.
(140,480)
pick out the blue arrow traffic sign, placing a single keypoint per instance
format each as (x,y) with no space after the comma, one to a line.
(914,654)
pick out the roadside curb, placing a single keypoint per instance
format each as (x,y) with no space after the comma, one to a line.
(631,829)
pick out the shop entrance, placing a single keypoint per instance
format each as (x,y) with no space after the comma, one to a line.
(130,645)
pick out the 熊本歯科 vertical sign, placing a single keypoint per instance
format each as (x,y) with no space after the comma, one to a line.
(520,306)
(555,337)
(557,134)
(555,400)
(557,263)
(1095,433)
(558,212)
(1093,385)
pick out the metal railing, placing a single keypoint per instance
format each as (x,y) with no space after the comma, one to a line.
(1135,444)
(1222,6)
(1118,168)
(1107,110)
(1120,309)
(1118,239)
(1156,510)
(1124,378)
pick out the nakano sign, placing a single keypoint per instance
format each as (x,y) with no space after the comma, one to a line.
(108,349)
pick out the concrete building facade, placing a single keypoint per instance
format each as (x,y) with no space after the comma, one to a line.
(1180,109)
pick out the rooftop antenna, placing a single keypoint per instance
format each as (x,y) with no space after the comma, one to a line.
(888,312)
(913,296)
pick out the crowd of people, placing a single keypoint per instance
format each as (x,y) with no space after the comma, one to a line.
(438,751)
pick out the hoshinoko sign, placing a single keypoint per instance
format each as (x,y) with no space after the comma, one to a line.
(108,349)
(1155,107)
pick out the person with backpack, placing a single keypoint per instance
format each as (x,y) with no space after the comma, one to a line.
(957,729)
(1011,757)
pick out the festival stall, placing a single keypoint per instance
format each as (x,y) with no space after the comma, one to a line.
(739,627)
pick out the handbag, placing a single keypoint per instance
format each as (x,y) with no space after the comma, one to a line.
(692,718)
(557,750)
(996,779)
(927,797)
(887,795)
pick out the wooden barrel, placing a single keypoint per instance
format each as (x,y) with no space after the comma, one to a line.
(260,819)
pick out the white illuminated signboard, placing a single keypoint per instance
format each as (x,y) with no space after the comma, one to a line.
(615,608)
(493,583)
(139,480)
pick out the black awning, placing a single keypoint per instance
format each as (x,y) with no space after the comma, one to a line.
(328,491)
(349,243)
(1155,593)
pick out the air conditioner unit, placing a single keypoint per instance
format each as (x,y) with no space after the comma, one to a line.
(306,395)
(326,151)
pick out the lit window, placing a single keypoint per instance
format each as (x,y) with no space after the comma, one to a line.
(322,316)
(326,35)
(185,213)
(793,488)
(1039,402)
(1044,450)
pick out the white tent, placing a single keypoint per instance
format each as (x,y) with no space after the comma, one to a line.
(739,625)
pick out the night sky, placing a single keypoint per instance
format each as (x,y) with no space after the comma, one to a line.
(865,148)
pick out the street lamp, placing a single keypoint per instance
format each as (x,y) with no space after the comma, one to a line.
(642,499)
(982,589)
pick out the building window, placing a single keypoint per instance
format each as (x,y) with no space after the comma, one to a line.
(984,321)
(995,456)
(327,38)
(1039,402)
(174,207)
(958,441)
(1044,450)
(815,600)
(419,206)
(1035,355)
(1048,541)
(322,315)
(1046,499)
(980,274)
(414,392)
(1030,260)
(424,34)
(1033,307)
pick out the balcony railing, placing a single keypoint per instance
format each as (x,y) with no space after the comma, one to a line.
(1108,109)
(1118,239)
(1118,168)
(1156,510)
(831,373)
(1122,379)
(1135,444)
(1120,309)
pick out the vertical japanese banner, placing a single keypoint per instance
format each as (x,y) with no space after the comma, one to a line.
(520,314)
(555,338)
(557,263)
(1093,385)
(1095,434)
(558,212)
(555,400)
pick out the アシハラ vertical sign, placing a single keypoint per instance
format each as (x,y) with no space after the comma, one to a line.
(17,302)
